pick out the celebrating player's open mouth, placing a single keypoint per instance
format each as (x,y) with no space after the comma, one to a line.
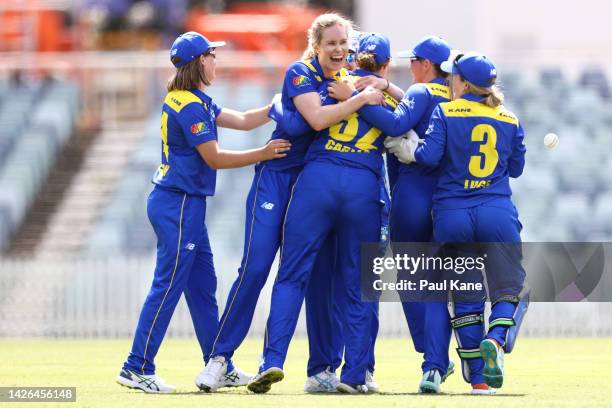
(332,50)
(338,58)
(333,62)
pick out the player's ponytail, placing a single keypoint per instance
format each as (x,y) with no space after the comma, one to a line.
(438,72)
(493,96)
(367,62)
(315,32)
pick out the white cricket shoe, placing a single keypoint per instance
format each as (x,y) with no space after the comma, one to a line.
(151,384)
(430,383)
(235,378)
(346,388)
(209,378)
(371,384)
(262,382)
(325,381)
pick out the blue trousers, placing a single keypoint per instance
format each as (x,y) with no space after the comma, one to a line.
(495,228)
(428,322)
(184,265)
(323,312)
(326,293)
(266,206)
(327,197)
(325,302)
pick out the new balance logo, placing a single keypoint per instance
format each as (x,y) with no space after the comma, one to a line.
(410,103)
(190,246)
(267,206)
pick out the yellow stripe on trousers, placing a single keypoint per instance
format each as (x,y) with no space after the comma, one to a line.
(246,263)
(178,252)
(282,245)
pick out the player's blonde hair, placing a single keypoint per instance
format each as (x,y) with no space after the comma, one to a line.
(315,32)
(493,96)
(188,76)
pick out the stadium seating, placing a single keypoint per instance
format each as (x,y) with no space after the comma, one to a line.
(126,210)
(564,193)
(35,121)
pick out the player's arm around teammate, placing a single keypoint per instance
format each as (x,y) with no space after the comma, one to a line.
(478,144)
(319,295)
(271,187)
(177,206)
(338,191)
(412,189)
(413,112)
(382,84)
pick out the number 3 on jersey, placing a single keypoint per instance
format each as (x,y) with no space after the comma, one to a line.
(476,167)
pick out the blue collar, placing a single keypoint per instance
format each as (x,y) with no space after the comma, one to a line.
(362,72)
(201,95)
(472,97)
(439,81)
(315,63)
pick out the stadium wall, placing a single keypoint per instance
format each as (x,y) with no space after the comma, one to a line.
(101,298)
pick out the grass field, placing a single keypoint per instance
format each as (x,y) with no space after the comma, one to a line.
(541,372)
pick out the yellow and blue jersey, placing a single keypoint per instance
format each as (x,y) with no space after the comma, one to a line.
(301,77)
(188,119)
(412,112)
(353,141)
(477,148)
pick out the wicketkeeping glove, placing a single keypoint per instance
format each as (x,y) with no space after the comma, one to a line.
(403,147)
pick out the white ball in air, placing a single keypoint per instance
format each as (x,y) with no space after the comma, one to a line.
(551,140)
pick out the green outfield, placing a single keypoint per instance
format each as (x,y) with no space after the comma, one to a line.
(541,372)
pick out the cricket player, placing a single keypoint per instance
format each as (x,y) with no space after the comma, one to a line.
(177,207)
(339,191)
(270,194)
(478,145)
(412,191)
(326,295)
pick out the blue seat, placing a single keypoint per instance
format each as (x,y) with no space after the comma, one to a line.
(594,77)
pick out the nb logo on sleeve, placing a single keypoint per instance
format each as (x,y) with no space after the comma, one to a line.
(190,246)
(267,206)
(410,103)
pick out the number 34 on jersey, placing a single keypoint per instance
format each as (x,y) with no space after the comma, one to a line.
(342,135)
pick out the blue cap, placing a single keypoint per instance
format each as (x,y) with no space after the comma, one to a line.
(376,44)
(473,67)
(190,45)
(431,48)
